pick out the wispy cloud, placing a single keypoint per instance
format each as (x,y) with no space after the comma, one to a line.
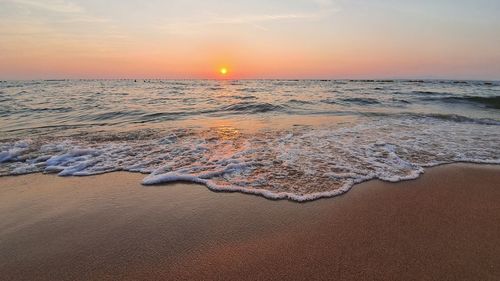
(248,19)
(68,12)
(53,23)
(59,6)
(257,20)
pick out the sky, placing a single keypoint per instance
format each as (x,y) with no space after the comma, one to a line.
(323,39)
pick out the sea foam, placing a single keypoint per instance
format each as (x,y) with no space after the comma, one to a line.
(300,164)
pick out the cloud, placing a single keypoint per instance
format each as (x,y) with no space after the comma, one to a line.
(256,20)
(325,3)
(58,6)
(262,18)
(41,21)
(69,12)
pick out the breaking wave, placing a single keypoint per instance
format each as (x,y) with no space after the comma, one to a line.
(296,139)
(300,164)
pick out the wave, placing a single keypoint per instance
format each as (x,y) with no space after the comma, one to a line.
(215,88)
(173,115)
(112,115)
(371,81)
(250,90)
(402,101)
(463,119)
(445,117)
(296,101)
(492,102)
(49,109)
(246,97)
(329,101)
(252,107)
(425,93)
(122,102)
(355,101)
(361,101)
(302,164)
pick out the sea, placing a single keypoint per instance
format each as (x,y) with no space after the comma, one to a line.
(282,139)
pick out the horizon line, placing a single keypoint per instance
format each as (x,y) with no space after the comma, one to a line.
(262,79)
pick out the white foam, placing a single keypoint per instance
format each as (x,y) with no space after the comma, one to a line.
(10,152)
(304,164)
(171,177)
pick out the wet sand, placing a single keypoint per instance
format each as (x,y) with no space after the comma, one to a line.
(443,226)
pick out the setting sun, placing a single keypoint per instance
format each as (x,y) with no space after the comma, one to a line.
(223,71)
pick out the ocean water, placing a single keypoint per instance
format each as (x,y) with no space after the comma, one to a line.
(282,139)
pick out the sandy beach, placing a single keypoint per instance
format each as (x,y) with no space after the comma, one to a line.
(443,226)
(249,140)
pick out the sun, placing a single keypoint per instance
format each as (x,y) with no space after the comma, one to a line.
(223,71)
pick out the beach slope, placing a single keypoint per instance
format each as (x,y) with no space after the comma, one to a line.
(443,226)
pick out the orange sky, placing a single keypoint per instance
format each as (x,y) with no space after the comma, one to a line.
(283,39)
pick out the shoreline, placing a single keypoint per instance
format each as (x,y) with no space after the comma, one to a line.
(442,225)
(280,196)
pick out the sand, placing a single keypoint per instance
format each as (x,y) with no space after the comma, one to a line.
(443,226)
